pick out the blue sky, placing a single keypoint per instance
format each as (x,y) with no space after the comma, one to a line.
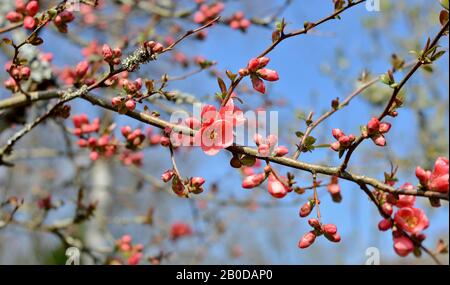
(299,61)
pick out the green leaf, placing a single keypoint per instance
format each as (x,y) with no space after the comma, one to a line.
(222,85)
(299,134)
(444,4)
(309,141)
(248,160)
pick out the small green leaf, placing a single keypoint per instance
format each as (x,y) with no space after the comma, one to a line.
(222,85)
(248,160)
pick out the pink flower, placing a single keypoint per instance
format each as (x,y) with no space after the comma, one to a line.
(277,188)
(307,240)
(412,220)
(385,225)
(406,200)
(423,175)
(179,230)
(253,181)
(403,246)
(438,180)
(215,137)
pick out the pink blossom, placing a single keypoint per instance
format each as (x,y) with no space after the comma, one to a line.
(403,246)
(277,188)
(412,220)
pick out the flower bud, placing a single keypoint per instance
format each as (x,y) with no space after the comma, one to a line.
(307,240)
(167,176)
(306,209)
(268,74)
(130,105)
(29,23)
(244,72)
(314,223)
(384,127)
(387,209)
(423,175)
(337,133)
(32,8)
(281,151)
(385,225)
(379,140)
(253,181)
(329,229)
(373,125)
(197,181)
(81,69)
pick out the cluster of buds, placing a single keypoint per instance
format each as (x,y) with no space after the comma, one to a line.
(133,93)
(62,19)
(132,253)
(131,158)
(25,12)
(267,147)
(438,179)
(238,21)
(154,47)
(111,56)
(328,230)
(278,186)
(78,75)
(376,131)
(343,141)
(83,126)
(182,188)
(407,219)
(18,73)
(207,13)
(179,230)
(104,145)
(153,139)
(335,189)
(134,137)
(257,71)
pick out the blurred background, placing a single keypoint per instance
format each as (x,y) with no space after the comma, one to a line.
(231,225)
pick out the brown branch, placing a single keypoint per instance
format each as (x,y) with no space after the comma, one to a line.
(328,114)
(312,168)
(286,36)
(396,92)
